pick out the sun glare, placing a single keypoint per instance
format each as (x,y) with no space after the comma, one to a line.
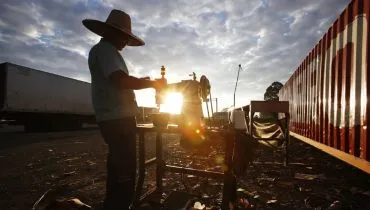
(172,103)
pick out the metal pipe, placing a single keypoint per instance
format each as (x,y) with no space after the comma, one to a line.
(148,193)
(150,161)
(196,172)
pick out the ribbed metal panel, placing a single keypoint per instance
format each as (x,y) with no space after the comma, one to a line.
(329,91)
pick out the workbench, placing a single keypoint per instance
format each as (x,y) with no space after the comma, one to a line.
(227,176)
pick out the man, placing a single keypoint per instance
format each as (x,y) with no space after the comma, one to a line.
(115,104)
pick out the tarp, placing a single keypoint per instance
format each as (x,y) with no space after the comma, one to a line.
(268,129)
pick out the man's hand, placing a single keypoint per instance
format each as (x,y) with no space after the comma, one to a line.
(121,80)
(159,84)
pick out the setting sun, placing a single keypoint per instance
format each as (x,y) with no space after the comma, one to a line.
(172,103)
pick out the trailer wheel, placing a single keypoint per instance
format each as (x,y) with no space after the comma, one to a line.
(40,124)
(29,127)
(37,126)
(75,125)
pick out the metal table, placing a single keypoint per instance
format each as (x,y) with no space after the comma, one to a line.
(229,180)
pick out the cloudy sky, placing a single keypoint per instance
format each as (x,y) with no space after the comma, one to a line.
(268,38)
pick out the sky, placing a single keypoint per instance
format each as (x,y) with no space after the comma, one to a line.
(269,38)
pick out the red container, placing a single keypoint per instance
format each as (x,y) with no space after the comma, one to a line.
(329,91)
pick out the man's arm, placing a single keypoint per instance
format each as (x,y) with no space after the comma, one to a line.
(121,80)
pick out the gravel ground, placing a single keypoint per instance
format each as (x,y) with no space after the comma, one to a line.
(31,164)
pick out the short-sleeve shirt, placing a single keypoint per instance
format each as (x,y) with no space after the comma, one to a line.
(109,102)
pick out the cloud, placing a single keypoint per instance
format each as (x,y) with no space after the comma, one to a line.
(211,37)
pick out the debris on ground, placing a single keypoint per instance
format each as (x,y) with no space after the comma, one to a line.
(312,179)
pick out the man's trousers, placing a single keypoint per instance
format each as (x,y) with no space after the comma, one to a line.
(120,136)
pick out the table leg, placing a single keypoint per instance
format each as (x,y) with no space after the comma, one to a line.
(159,159)
(141,177)
(229,189)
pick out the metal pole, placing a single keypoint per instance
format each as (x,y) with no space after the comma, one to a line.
(159,157)
(215,99)
(236,84)
(209,117)
(229,188)
(216,105)
(210,98)
(143,115)
(139,186)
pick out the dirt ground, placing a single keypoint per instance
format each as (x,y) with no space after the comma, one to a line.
(74,162)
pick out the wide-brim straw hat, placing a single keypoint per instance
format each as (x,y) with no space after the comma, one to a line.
(118,24)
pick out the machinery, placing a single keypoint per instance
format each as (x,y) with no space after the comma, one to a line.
(191,120)
(195,135)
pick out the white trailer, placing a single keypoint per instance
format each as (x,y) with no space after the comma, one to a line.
(43,101)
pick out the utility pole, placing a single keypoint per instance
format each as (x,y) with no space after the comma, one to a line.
(215,99)
(216,104)
(236,84)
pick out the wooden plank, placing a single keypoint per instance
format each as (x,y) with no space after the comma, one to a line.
(350,159)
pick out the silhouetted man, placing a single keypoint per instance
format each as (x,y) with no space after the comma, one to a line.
(115,104)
